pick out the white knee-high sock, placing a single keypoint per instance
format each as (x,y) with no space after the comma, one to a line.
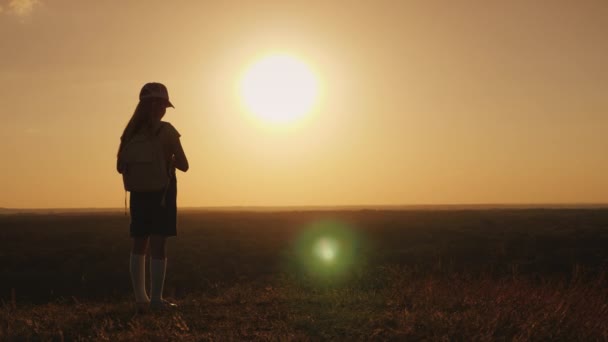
(137,267)
(158,268)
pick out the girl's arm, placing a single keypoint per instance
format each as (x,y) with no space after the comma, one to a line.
(179,158)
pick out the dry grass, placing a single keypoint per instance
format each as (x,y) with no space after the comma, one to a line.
(406,306)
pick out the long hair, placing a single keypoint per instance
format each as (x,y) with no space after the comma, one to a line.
(141,119)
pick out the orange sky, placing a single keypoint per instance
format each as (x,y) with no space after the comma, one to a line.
(424,102)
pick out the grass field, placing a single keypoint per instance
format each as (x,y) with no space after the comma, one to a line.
(505,274)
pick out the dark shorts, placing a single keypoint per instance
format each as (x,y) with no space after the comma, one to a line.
(150,217)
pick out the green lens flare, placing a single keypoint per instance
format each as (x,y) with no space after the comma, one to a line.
(327,250)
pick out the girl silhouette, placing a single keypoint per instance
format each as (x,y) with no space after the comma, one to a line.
(153,213)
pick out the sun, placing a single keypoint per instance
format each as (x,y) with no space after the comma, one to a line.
(279,89)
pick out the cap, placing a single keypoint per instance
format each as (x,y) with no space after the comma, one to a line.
(155,90)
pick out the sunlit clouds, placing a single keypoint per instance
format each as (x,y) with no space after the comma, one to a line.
(20,8)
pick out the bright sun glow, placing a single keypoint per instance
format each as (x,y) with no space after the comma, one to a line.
(279,89)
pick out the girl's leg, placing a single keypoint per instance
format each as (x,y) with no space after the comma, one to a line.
(137,268)
(158,266)
(140,245)
(158,246)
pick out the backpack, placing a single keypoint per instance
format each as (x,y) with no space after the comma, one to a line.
(144,168)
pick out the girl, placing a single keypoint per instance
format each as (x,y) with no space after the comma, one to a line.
(153,214)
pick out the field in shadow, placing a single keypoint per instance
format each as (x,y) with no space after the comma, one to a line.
(469,274)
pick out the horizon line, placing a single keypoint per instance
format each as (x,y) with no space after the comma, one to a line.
(522,205)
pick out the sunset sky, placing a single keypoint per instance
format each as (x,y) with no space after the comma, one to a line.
(418,102)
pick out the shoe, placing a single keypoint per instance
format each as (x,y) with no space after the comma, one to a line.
(142,308)
(162,305)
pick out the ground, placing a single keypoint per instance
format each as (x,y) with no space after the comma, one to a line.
(438,275)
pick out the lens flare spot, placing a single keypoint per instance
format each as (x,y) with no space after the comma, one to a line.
(326,249)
